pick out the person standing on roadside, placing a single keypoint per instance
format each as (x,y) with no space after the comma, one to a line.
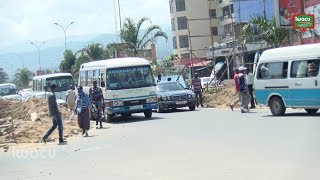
(71,98)
(82,109)
(236,83)
(97,99)
(250,78)
(243,87)
(197,88)
(56,116)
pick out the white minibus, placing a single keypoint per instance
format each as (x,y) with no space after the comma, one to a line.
(127,83)
(61,80)
(288,77)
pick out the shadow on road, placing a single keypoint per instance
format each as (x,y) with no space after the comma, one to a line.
(177,111)
(132,119)
(296,115)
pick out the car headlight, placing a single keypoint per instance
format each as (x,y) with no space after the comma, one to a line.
(151,99)
(117,103)
(166,98)
(193,95)
(189,96)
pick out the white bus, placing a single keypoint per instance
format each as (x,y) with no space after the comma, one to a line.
(289,77)
(7,89)
(61,80)
(127,83)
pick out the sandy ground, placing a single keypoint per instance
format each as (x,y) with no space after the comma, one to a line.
(31,121)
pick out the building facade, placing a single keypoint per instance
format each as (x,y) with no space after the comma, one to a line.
(194,25)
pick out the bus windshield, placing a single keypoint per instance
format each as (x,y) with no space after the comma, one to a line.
(129,78)
(7,89)
(63,83)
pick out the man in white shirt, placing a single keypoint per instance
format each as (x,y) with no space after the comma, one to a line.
(71,98)
(250,78)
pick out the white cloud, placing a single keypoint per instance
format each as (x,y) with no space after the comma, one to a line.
(32,20)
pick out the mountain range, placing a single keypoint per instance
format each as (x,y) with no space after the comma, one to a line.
(51,53)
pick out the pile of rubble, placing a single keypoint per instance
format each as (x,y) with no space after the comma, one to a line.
(30,120)
(223,98)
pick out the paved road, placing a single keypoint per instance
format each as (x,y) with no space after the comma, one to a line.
(204,144)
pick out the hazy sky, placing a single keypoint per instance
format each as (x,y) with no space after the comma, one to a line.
(32,20)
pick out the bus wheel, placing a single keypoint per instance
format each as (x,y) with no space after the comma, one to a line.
(311,111)
(277,107)
(109,118)
(148,114)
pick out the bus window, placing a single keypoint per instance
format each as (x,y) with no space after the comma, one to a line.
(303,69)
(89,78)
(273,70)
(96,76)
(102,80)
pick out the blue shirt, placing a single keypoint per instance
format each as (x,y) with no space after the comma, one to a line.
(83,101)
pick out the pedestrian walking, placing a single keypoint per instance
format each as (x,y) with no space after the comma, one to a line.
(71,98)
(55,115)
(82,109)
(236,84)
(250,78)
(97,99)
(197,88)
(243,87)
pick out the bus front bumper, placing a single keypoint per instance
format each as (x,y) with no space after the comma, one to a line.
(131,109)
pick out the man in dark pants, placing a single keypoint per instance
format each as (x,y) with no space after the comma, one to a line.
(250,78)
(96,95)
(197,88)
(56,117)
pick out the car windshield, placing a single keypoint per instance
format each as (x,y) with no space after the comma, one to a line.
(129,77)
(165,87)
(63,83)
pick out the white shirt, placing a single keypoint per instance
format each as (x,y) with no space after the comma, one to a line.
(249,78)
(71,96)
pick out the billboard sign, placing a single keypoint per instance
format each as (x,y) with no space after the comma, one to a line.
(303,22)
(285,10)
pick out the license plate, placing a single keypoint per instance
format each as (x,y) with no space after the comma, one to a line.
(181,102)
(136,107)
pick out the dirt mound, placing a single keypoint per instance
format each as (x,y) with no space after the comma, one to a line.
(223,98)
(31,120)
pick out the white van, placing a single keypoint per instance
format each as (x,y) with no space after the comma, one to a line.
(127,83)
(289,77)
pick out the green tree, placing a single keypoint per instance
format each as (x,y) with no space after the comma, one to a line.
(48,71)
(82,57)
(261,29)
(3,76)
(164,66)
(94,51)
(23,77)
(68,61)
(135,39)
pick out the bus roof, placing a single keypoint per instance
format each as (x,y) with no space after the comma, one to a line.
(7,84)
(52,75)
(115,63)
(291,53)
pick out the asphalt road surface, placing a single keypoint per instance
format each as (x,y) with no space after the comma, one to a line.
(202,145)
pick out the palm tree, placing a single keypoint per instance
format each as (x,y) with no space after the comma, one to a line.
(94,51)
(260,29)
(135,39)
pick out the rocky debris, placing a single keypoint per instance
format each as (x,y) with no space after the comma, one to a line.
(223,98)
(31,121)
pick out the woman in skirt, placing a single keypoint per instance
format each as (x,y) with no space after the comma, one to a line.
(82,109)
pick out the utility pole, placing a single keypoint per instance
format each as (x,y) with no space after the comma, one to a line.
(38,46)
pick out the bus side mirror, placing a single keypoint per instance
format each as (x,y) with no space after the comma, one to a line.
(103,84)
